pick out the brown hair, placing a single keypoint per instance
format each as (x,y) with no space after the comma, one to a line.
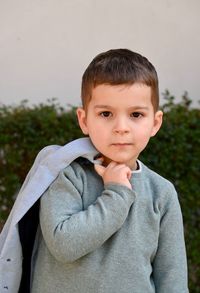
(119,66)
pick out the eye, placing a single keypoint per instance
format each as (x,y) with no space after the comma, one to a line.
(136,115)
(105,114)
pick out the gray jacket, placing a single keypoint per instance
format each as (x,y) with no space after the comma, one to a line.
(45,169)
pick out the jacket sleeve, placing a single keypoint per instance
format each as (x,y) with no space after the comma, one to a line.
(71,232)
(170,264)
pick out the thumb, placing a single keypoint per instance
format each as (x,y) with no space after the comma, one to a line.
(99,169)
(129,174)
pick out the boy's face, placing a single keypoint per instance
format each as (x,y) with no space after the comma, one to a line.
(120,121)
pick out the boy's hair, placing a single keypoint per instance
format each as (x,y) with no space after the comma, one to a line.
(119,66)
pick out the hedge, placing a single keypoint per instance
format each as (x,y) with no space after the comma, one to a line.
(174,153)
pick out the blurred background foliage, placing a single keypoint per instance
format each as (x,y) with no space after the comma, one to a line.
(174,153)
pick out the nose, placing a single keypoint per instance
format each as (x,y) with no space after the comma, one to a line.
(121,126)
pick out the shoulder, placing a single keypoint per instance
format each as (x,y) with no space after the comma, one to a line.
(79,167)
(162,190)
(156,179)
(78,173)
(45,152)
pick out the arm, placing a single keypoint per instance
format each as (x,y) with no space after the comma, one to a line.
(71,232)
(170,264)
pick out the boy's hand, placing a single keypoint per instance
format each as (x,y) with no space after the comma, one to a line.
(115,173)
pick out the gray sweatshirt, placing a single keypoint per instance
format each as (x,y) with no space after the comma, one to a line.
(108,239)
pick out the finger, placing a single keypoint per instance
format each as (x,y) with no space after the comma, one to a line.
(101,159)
(116,166)
(112,165)
(125,169)
(99,169)
(129,174)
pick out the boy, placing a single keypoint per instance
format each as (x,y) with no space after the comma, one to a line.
(116,226)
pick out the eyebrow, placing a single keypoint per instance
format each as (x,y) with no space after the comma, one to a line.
(110,107)
(102,106)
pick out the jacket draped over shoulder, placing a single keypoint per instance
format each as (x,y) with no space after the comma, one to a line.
(45,169)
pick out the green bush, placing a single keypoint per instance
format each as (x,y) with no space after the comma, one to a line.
(23,132)
(174,153)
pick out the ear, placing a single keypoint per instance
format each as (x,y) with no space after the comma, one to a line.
(157,122)
(81,115)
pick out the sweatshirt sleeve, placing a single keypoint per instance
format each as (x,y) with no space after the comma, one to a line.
(170,264)
(71,232)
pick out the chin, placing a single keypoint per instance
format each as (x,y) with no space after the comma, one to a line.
(119,160)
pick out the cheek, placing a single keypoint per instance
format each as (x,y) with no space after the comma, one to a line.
(98,135)
(95,127)
(142,135)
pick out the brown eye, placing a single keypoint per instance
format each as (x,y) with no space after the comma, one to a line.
(136,114)
(105,114)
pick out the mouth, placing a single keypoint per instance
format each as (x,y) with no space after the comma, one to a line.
(122,144)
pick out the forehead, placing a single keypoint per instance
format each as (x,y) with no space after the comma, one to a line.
(121,95)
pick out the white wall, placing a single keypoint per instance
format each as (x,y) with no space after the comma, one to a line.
(46,44)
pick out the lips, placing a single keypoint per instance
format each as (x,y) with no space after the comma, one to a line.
(121,143)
